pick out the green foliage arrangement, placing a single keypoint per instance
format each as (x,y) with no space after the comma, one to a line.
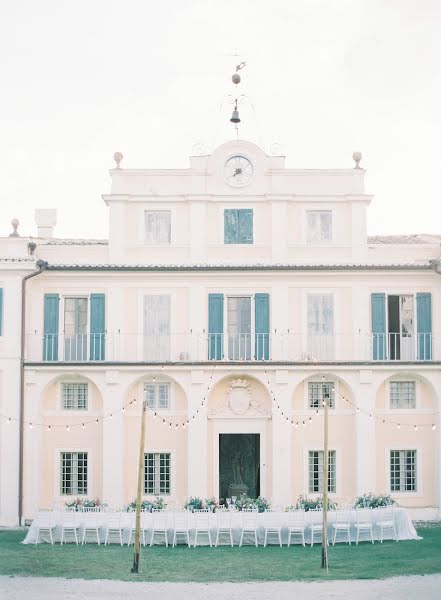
(80,503)
(371,500)
(244,502)
(305,503)
(147,505)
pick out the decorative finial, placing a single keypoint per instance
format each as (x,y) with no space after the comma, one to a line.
(357,156)
(15,223)
(31,246)
(117,157)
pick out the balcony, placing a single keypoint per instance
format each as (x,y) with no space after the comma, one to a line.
(201,347)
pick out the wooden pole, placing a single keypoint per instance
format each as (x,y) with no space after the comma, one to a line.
(136,547)
(325,486)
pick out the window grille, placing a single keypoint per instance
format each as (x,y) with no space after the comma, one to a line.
(157,474)
(157,226)
(402,394)
(316,471)
(157,395)
(74,473)
(403,470)
(318,391)
(74,396)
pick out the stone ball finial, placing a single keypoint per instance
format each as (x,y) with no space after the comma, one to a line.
(356,157)
(235,78)
(15,223)
(117,157)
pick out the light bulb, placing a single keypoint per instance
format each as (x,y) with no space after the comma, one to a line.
(398,425)
(297,424)
(415,428)
(30,425)
(303,423)
(9,420)
(310,419)
(67,428)
(83,426)
(433,427)
(48,427)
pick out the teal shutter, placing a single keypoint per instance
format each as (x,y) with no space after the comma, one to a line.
(1,311)
(378,315)
(215,326)
(97,327)
(424,326)
(50,334)
(261,329)
(245,217)
(231,226)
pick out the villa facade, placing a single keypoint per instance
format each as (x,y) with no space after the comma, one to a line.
(232,297)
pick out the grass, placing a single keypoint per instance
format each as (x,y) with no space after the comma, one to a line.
(203,564)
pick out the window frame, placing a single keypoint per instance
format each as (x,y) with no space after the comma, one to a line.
(60,474)
(401,380)
(308,472)
(419,493)
(62,398)
(335,394)
(156,242)
(172,473)
(157,385)
(401,481)
(319,211)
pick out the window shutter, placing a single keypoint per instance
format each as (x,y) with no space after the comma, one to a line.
(97,326)
(1,311)
(230,226)
(215,326)
(424,326)
(378,316)
(50,336)
(261,326)
(245,226)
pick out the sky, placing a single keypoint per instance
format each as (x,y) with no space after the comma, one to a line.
(83,79)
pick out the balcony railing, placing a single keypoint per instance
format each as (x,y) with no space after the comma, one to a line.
(199,347)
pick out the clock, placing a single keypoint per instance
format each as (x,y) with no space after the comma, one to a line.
(238,171)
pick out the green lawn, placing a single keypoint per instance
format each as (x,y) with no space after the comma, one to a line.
(202,564)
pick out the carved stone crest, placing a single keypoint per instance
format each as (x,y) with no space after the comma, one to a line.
(239,401)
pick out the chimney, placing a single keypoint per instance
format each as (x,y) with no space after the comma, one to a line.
(46,219)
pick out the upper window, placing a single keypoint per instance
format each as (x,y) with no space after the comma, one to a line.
(402,394)
(73,473)
(157,226)
(157,473)
(403,471)
(238,226)
(157,395)
(74,396)
(316,471)
(318,391)
(319,226)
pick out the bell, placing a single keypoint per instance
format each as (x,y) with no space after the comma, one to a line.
(235,116)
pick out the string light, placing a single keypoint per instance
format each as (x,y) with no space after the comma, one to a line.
(83,426)
(67,428)
(415,428)
(398,425)
(9,420)
(433,427)
(30,425)
(48,427)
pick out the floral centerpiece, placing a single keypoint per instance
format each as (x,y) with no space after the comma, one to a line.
(371,500)
(305,503)
(244,502)
(147,505)
(80,503)
(194,503)
(211,503)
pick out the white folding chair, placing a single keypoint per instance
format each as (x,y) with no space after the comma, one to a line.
(45,522)
(88,509)
(386,522)
(364,523)
(202,525)
(180,527)
(314,519)
(273,526)
(145,519)
(223,526)
(91,523)
(70,523)
(249,525)
(113,525)
(159,525)
(342,524)
(295,521)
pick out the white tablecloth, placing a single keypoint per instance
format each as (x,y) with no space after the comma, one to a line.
(403,524)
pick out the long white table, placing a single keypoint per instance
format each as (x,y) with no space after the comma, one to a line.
(403,525)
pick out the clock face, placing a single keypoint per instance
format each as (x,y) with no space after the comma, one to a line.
(238,171)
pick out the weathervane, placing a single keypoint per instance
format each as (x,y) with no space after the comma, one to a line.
(235,78)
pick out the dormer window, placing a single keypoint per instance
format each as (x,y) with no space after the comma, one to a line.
(157,226)
(318,226)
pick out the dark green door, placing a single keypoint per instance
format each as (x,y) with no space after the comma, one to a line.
(239,464)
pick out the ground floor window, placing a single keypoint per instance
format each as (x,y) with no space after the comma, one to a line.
(316,471)
(157,473)
(403,470)
(74,396)
(74,473)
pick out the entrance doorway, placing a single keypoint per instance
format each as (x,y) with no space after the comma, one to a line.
(239,465)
